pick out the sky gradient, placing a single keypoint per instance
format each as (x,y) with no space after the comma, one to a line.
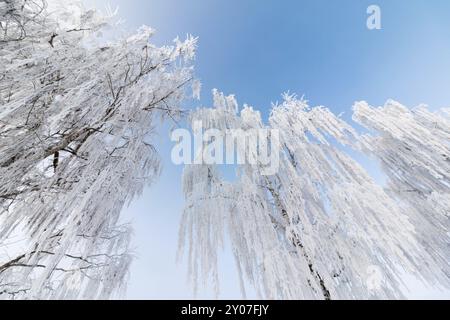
(260,49)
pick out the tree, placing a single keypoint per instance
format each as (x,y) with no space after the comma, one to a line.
(318,229)
(77,114)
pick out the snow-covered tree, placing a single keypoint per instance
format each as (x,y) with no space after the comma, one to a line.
(77,112)
(319,228)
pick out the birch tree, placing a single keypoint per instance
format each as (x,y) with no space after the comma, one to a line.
(77,114)
(317,229)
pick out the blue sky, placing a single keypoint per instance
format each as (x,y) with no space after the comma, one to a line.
(259,49)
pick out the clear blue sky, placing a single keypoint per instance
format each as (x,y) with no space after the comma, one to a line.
(257,50)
